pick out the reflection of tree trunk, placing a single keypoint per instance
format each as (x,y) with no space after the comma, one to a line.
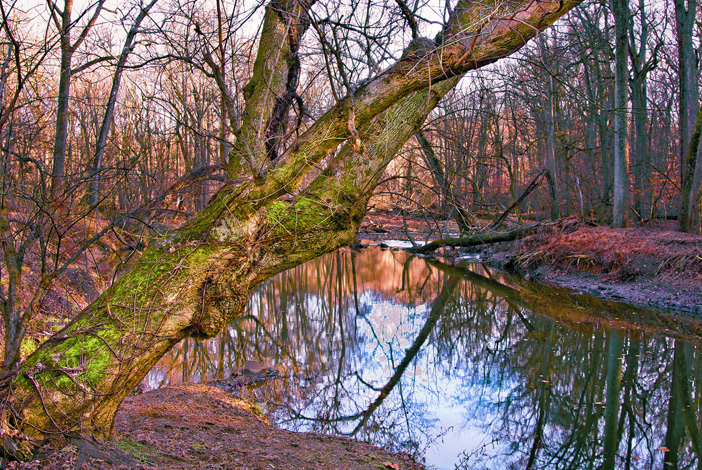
(629,384)
(342,335)
(686,396)
(614,379)
(587,403)
(676,424)
(544,397)
(355,283)
(437,309)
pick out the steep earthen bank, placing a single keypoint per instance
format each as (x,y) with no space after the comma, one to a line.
(651,267)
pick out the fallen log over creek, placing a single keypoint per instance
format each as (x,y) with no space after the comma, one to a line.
(476,239)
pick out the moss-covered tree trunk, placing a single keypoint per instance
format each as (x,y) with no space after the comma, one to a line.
(194,281)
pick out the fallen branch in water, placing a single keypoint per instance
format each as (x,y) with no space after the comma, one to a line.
(476,239)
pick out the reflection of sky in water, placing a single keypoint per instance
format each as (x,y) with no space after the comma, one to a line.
(456,410)
(472,395)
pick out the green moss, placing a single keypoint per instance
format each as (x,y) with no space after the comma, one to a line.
(141,452)
(304,216)
(276,212)
(27,347)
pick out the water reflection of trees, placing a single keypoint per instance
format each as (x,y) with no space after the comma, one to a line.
(371,342)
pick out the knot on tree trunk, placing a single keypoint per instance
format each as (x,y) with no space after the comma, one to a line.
(218,306)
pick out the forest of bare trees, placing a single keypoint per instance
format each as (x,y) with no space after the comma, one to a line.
(263,131)
(555,106)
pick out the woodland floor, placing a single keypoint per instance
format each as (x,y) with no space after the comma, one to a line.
(204,427)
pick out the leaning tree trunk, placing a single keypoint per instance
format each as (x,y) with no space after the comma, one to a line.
(192,282)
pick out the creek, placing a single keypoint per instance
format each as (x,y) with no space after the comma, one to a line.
(462,366)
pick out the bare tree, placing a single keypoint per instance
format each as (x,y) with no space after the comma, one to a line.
(143,11)
(620,216)
(65,24)
(192,282)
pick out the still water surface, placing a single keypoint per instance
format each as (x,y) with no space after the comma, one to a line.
(462,366)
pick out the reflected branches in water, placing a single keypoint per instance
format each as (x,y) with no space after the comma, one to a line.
(458,361)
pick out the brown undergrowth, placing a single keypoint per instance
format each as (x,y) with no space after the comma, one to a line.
(616,254)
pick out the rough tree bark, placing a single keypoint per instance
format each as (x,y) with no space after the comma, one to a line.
(685,13)
(620,215)
(194,281)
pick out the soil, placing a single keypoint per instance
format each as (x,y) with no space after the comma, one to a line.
(203,427)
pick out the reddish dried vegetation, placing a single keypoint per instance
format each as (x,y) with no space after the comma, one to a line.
(618,254)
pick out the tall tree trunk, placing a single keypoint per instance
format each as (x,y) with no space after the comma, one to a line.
(641,66)
(685,12)
(688,218)
(58,173)
(192,282)
(694,207)
(620,215)
(94,172)
(65,25)
(552,173)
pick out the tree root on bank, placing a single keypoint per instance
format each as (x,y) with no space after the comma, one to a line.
(476,239)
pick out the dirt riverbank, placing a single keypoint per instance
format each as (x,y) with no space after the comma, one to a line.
(653,267)
(650,267)
(202,427)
